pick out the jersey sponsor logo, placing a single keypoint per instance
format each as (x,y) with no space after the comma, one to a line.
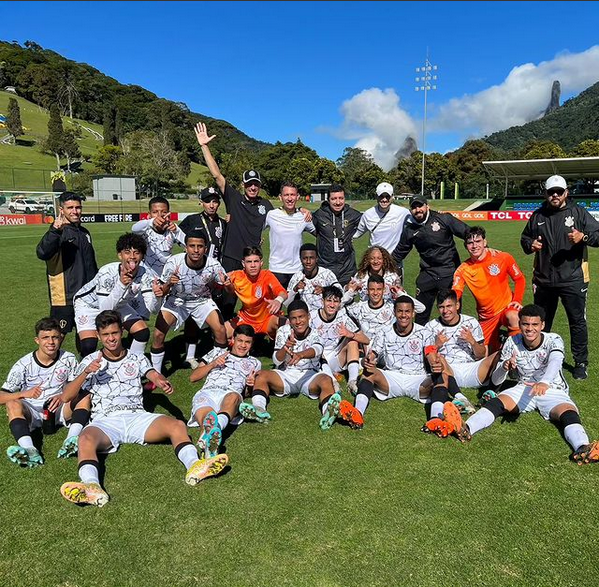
(569,221)
(435,226)
(494,269)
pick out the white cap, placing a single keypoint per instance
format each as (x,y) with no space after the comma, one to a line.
(556,181)
(384,188)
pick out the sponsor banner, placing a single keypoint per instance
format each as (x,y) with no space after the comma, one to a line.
(90,218)
(20,219)
(470,215)
(174,216)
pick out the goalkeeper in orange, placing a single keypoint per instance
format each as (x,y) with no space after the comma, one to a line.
(487,273)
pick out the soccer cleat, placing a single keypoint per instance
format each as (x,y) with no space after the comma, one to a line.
(487,396)
(439,427)
(209,422)
(213,440)
(351,415)
(18,455)
(69,448)
(193,363)
(580,371)
(84,493)
(352,386)
(456,425)
(587,453)
(253,413)
(206,468)
(329,417)
(465,406)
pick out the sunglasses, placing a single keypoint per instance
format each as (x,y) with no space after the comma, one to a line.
(558,191)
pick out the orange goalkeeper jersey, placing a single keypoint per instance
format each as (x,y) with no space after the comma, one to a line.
(253,294)
(488,280)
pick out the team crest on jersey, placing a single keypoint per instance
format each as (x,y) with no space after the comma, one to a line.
(414,346)
(494,269)
(262,209)
(258,292)
(61,375)
(435,226)
(218,231)
(82,320)
(108,283)
(130,369)
(541,356)
(569,221)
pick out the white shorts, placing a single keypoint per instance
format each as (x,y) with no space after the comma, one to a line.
(466,374)
(199,311)
(34,415)
(520,394)
(85,317)
(207,398)
(296,381)
(402,385)
(332,359)
(125,428)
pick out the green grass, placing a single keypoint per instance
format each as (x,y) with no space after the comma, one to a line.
(384,506)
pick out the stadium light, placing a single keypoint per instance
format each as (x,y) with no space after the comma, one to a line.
(427,80)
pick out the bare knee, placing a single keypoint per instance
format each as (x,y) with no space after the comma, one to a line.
(14,409)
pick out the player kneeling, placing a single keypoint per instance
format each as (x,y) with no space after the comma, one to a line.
(33,387)
(113,378)
(228,374)
(537,358)
(297,361)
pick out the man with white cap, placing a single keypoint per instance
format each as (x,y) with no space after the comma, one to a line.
(558,233)
(384,221)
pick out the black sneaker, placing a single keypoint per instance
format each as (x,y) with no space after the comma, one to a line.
(580,371)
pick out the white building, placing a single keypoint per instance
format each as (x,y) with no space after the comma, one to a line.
(114,188)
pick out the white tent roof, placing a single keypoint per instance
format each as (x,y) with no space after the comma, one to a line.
(572,167)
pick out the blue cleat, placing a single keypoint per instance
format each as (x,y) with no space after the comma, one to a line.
(254,413)
(329,417)
(69,448)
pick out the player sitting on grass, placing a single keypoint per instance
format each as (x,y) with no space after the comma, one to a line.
(537,357)
(113,378)
(186,282)
(308,283)
(33,386)
(124,286)
(228,375)
(260,293)
(487,274)
(297,354)
(460,341)
(404,349)
(339,334)
(160,234)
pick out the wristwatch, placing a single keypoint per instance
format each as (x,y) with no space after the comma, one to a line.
(585,238)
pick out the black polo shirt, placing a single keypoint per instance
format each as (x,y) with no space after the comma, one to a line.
(216,230)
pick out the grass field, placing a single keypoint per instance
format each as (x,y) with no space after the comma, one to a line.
(387,505)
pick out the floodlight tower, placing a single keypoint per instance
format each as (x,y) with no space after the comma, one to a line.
(428,81)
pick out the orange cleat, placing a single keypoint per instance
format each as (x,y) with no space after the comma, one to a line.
(453,418)
(351,415)
(588,453)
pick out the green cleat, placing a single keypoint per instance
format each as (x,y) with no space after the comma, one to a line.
(253,413)
(25,457)
(69,448)
(329,417)
(84,494)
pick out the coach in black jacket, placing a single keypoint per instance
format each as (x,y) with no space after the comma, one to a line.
(70,259)
(432,234)
(558,234)
(335,223)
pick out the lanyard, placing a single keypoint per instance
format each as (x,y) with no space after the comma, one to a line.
(381,219)
(334,223)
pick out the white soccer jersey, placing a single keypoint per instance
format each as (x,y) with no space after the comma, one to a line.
(372,320)
(194,284)
(532,364)
(107,292)
(328,331)
(28,372)
(457,350)
(385,230)
(403,353)
(286,239)
(391,279)
(232,376)
(311,341)
(322,278)
(160,245)
(116,386)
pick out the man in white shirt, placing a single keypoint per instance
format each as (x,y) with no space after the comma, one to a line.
(384,221)
(286,227)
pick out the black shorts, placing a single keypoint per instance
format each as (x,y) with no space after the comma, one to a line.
(65,315)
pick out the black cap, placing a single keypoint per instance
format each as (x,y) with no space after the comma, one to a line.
(208,194)
(251,175)
(418,199)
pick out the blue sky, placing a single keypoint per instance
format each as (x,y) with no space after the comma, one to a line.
(335,74)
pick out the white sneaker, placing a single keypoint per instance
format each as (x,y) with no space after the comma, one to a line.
(193,363)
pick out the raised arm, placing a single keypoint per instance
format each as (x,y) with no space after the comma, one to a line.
(203,140)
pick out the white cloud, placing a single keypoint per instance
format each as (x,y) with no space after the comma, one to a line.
(521,97)
(377,122)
